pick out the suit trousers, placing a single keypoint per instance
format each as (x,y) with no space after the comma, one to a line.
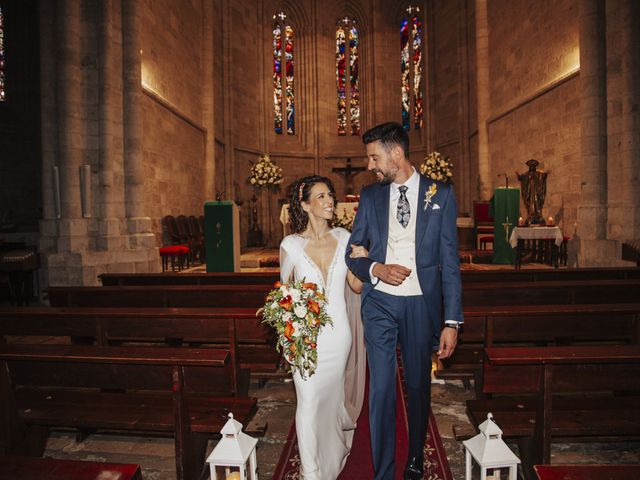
(387,319)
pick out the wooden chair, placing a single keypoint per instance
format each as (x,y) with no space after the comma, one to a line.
(482,221)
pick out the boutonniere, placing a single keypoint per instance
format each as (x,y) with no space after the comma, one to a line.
(429,194)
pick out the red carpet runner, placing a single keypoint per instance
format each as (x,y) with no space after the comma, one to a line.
(359,466)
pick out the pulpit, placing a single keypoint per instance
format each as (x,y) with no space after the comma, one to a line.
(505,210)
(222,236)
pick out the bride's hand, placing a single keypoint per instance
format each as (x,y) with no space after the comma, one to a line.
(358,251)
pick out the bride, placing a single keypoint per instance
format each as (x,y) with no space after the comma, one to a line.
(315,252)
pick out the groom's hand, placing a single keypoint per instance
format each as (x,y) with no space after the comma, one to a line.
(448,341)
(392,274)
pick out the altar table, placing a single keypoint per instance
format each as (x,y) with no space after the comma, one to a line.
(542,242)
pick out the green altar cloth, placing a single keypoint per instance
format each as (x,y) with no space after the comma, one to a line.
(504,207)
(222,236)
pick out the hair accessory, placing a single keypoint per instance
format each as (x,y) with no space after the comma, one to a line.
(300,188)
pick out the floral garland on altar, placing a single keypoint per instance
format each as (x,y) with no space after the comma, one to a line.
(438,168)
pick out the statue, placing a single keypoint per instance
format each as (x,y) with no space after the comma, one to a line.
(533,186)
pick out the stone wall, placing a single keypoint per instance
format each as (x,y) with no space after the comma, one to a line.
(174,135)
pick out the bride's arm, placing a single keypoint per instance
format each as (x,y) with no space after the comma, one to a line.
(286,264)
(354,282)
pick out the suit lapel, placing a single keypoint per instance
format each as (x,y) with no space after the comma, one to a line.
(423,215)
(382,213)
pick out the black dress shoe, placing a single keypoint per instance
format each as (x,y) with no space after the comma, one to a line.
(414,469)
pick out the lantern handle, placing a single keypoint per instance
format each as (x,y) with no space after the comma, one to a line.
(231,415)
(489,416)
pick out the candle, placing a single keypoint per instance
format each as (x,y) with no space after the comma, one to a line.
(520,221)
(233,476)
(550,221)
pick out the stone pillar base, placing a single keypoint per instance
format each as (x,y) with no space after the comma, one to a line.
(83,268)
(594,253)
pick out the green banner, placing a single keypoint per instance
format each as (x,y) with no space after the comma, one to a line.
(505,210)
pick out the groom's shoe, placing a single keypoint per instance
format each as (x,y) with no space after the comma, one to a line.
(414,469)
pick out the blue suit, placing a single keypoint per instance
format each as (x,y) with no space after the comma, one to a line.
(415,321)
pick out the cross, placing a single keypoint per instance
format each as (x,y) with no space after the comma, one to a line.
(506,226)
(349,172)
(412,9)
(280,15)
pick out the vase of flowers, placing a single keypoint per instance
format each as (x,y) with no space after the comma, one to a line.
(345,219)
(266,174)
(297,311)
(437,167)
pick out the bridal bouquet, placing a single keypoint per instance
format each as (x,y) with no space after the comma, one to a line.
(265,173)
(437,168)
(297,311)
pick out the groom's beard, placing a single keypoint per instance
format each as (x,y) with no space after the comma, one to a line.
(387,177)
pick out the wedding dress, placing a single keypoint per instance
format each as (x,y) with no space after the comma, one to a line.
(323,425)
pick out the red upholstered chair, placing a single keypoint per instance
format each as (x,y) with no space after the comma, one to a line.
(484,240)
(173,253)
(482,222)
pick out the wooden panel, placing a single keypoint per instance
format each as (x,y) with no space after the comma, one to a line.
(29,468)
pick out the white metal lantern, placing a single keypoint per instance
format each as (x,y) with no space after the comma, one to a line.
(235,452)
(490,452)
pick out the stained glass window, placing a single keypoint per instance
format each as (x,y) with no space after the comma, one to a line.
(411,54)
(2,72)
(347,30)
(283,56)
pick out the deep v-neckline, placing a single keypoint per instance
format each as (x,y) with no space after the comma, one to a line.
(315,265)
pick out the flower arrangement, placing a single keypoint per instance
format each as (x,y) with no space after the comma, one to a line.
(265,173)
(346,219)
(437,168)
(297,311)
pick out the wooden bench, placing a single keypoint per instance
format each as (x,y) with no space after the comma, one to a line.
(576,392)
(161,390)
(29,468)
(538,325)
(248,296)
(587,472)
(251,344)
(171,278)
(551,292)
(468,276)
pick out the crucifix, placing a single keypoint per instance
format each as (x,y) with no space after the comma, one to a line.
(349,172)
(506,226)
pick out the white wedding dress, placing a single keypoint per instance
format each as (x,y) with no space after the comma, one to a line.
(323,426)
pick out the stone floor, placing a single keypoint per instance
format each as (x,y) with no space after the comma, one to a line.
(276,405)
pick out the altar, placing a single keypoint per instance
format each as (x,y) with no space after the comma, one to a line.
(542,242)
(342,208)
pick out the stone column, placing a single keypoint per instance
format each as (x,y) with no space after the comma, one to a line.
(70,108)
(49,138)
(138,224)
(111,211)
(208,66)
(592,211)
(484,99)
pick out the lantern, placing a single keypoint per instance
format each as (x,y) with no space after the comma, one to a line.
(490,452)
(235,452)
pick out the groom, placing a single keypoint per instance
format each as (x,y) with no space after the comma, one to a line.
(408,224)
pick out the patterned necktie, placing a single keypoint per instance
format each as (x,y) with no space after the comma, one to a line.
(403,213)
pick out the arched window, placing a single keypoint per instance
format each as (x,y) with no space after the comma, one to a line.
(346,29)
(283,55)
(2,72)
(411,38)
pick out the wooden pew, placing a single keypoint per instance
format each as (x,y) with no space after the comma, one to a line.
(497,293)
(161,390)
(468,276)
(538,325)
(251,344)
(549,292)
(29,468)
(587,472)
(577,392)
(248,296)
(173,278)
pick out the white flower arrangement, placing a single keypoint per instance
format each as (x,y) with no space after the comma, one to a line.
(265,173)
(438,168)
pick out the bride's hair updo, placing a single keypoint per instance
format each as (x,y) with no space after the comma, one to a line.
(300,193)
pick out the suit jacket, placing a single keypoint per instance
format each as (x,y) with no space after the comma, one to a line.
(437,257)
